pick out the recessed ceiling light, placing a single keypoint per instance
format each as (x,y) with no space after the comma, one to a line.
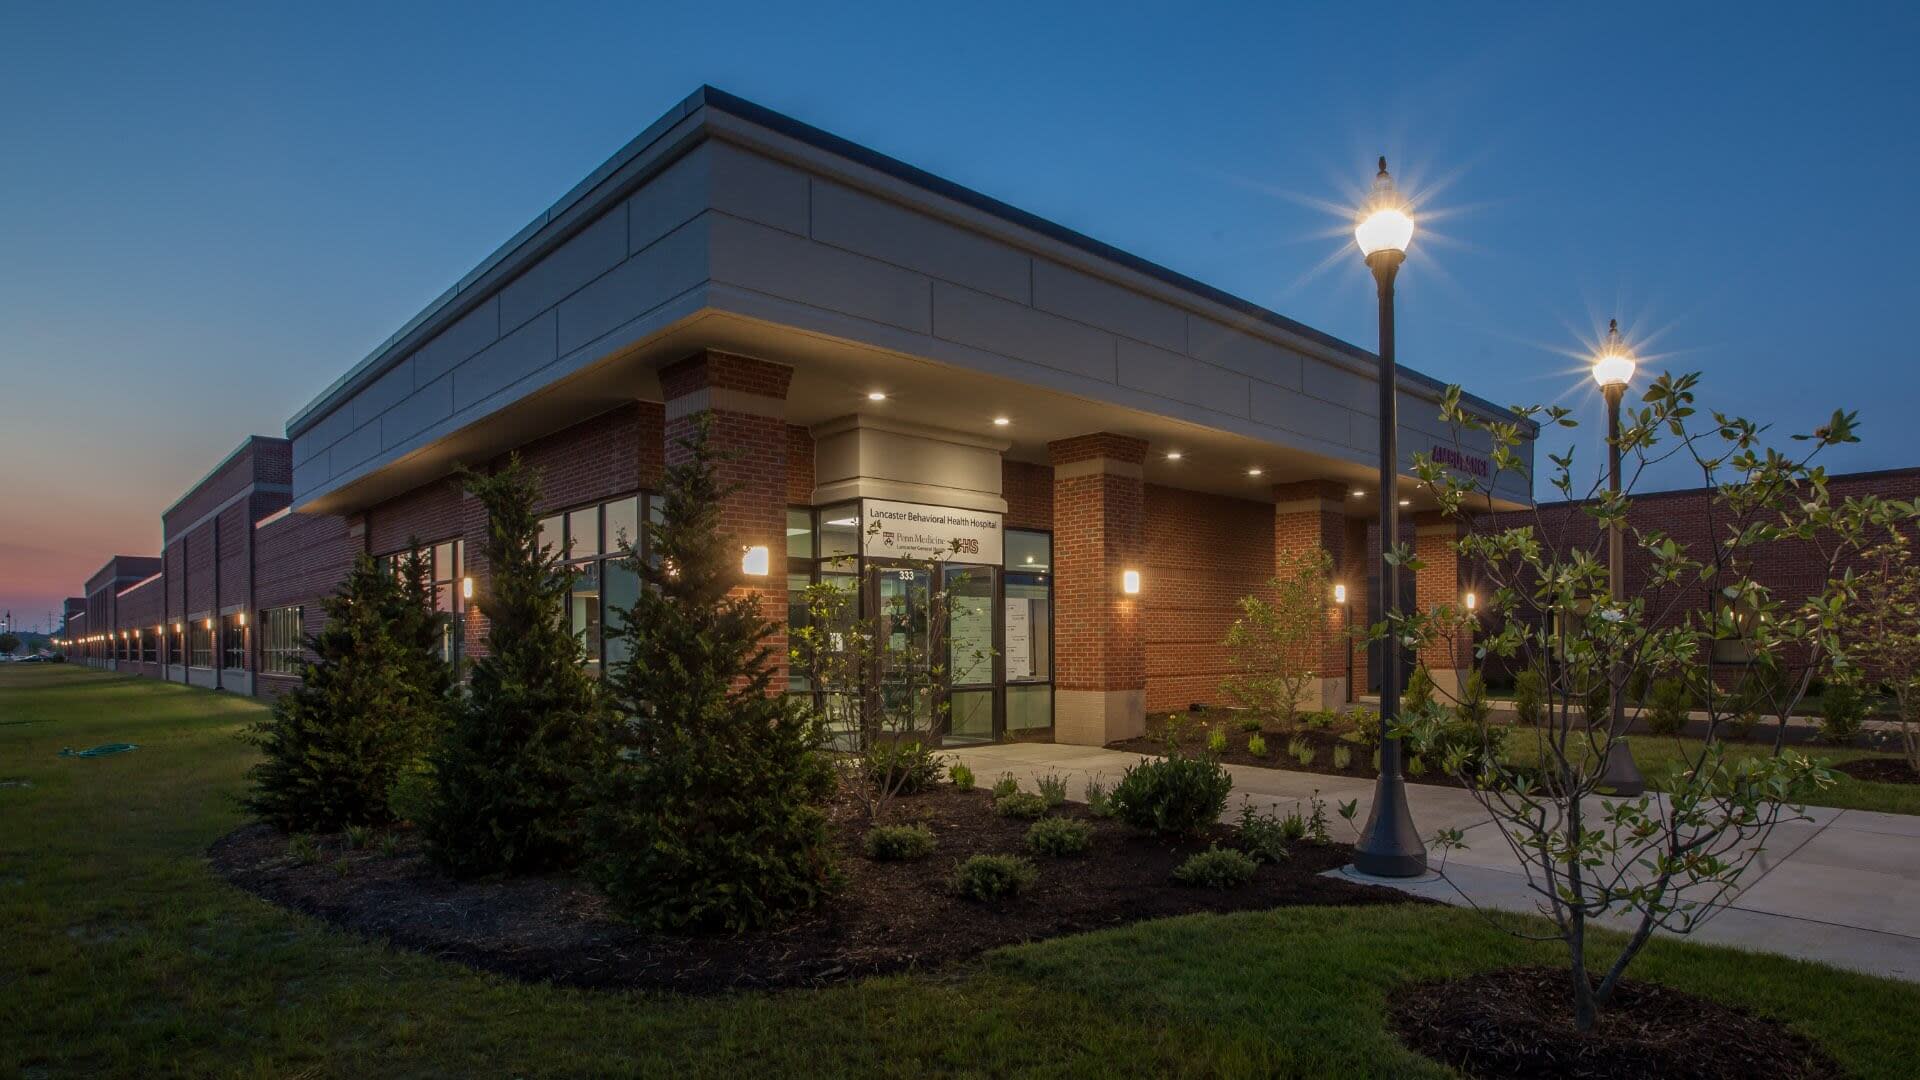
(1173,455)
(876,395)
(1001,421)
(1255,471)
(1357,493)
(1406,502)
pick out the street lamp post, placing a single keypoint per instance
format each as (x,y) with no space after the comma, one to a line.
(1389,844)
(1613,370)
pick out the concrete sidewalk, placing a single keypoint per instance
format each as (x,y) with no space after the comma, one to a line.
(1842,889)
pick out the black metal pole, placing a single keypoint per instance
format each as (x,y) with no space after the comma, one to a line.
(1619,775)
(1389,844)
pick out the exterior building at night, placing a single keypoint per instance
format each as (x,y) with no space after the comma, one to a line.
(894,364)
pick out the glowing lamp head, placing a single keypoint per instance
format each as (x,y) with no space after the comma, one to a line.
(1385,224)
(1339,594)
(466,588)
(754,561)
(1614,366)
(1473,601)
(1130,582)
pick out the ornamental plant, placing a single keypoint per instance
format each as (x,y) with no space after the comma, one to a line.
(511,772)
(370,704)
(1880,632)
(1665,863)
(1274,645)
(709,814)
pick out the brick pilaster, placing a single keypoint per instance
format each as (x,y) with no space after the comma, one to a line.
(1441,582)
(747,400)
(1312,514)
(1100,673)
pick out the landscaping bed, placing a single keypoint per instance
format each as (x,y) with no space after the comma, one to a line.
(1517,1023)
(1880,770)
(888,916)
(1195,727)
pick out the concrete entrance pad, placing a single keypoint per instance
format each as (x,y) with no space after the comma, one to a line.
(1842,888)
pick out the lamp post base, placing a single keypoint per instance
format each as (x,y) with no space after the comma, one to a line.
(1620,774)
(1389,846)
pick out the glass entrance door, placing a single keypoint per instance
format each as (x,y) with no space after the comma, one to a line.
(903,621)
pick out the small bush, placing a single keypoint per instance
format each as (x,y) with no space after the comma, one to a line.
(358,836)
(962,777)
(1419,692)
(1053,788)
(994,877)
(1004,786)
(1668,703)
(1302,751)
(1365,730)
(1021,804)
(389,845)
(1264,834)
(1342,757)
(1250,722)
(1416,765)
(304,849)
(1529,696)
(1059,837)
(899,843)
(1257,746)
(905,767)
(413,793)
(1099,800)
(1474,706)
(1175,795)
(1217,741)
(1216,868)
(1843,712)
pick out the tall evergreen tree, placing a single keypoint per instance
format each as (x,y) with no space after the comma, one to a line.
(370,705)
(709,815)
(511,771)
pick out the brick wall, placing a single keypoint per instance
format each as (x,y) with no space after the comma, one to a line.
(1203,553)
(799,466)
(1099,533)
(1028,489)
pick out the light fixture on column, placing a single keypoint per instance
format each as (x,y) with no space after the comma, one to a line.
(466,588)
(754,560)
(1473,601)
(1130,582)
(1339,594)
(1613,370)
(242,617)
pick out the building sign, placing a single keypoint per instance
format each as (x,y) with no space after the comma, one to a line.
(897,530)
(1459,461)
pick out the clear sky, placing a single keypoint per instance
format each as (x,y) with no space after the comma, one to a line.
(207,213)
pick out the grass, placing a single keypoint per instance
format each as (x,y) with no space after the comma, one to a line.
(123,955)
(1659,755)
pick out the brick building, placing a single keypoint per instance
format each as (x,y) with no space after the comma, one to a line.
(896,364)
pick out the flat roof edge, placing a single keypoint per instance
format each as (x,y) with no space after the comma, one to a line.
(381,358)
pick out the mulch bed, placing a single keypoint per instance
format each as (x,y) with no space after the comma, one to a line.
(889,916)
(1518,1023)
(1879,770)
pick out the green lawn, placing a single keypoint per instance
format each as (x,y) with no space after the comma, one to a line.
(1657,755)
(120,954)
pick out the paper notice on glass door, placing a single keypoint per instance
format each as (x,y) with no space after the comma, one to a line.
(1019,637)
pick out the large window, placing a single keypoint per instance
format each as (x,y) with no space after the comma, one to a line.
(446,563)
(177,644)
(280,634)
(1027,629)
(233,641)
(150,646)
(200,643)
(594,542)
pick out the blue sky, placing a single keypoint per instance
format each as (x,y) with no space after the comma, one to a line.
(207,213)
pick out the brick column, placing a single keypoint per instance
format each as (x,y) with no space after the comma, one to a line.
(1100,672)
(1310,514)
(747,399)
(1440,582)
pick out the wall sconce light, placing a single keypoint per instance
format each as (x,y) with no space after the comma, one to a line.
(754,561)
(1472,601)
(242,617)
(1339,594)
(1130,582)
(176,628)
(466,588)
(209,623)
